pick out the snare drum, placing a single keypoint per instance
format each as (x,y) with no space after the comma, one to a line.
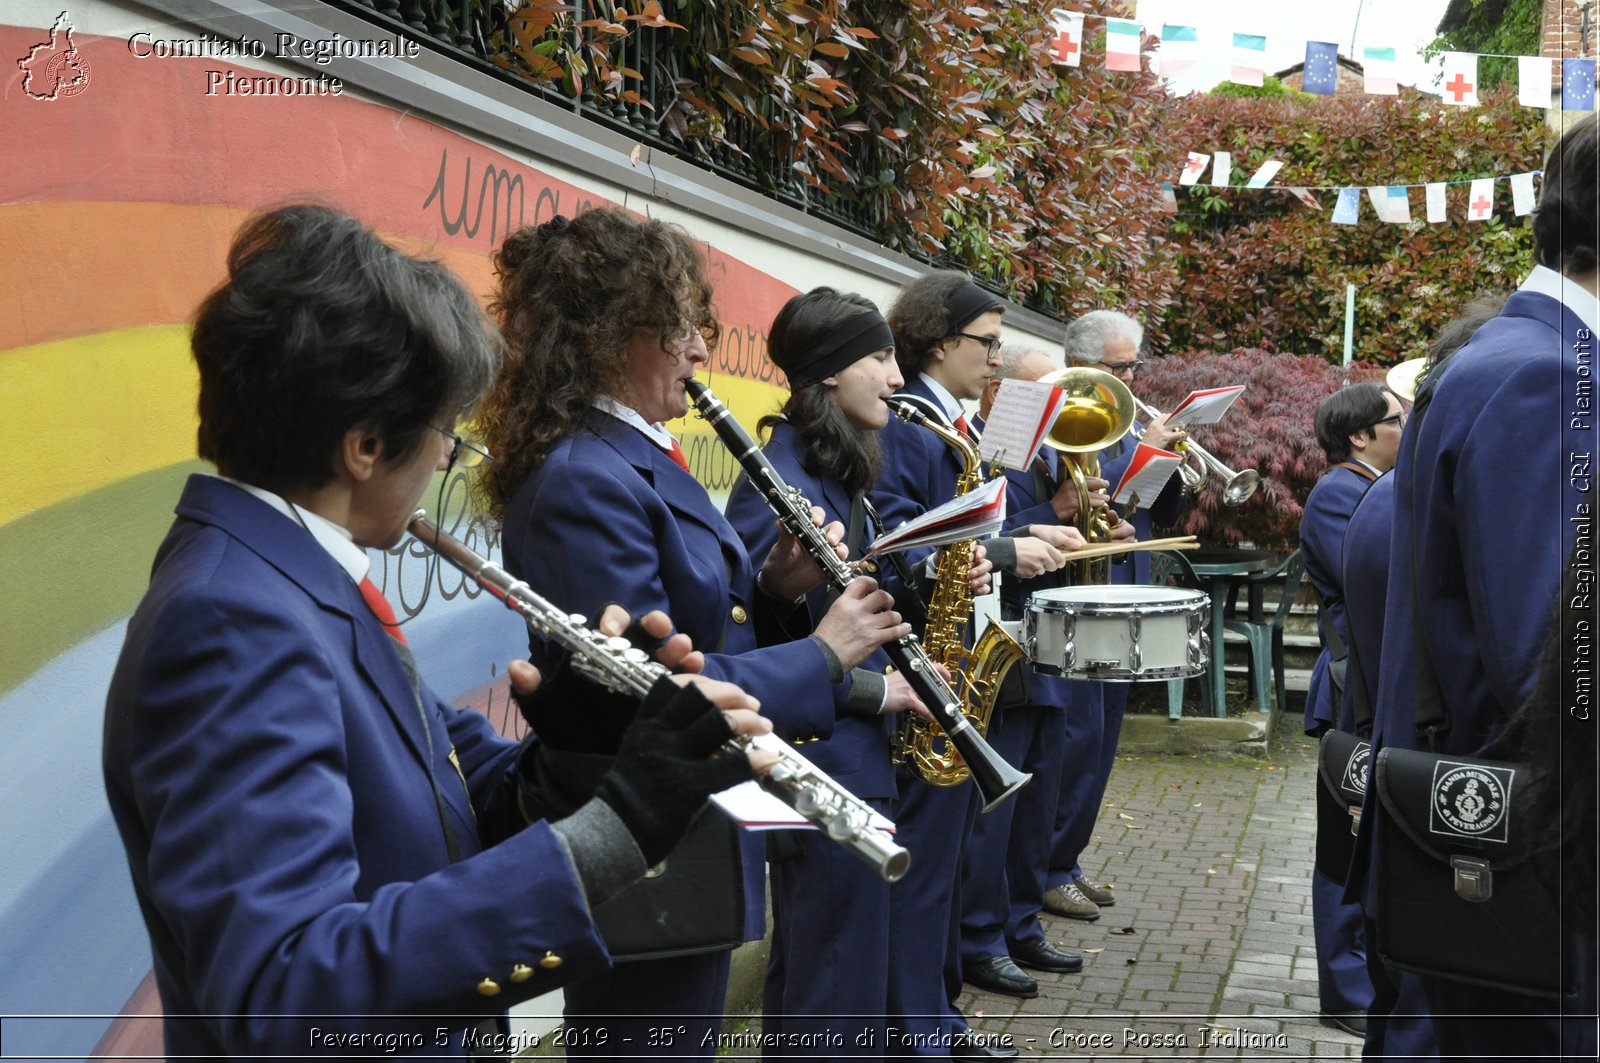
(1118,633)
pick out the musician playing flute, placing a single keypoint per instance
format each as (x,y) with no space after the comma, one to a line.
(325,853)
(606,316)
(829,967)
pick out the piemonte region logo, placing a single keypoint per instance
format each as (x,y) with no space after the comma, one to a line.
(55,68)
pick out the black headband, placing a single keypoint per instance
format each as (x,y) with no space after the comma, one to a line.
(968,302)
(841,346)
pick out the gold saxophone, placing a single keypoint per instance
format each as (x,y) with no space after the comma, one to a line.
(976,673)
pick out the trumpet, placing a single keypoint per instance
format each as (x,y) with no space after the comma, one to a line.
(1237,486)
(619,666)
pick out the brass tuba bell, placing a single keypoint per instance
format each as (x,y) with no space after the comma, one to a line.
(1098,411)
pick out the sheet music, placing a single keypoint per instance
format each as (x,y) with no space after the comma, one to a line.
(974,515)
(1205,406)
(752,808)
(1023,411)
(1148,472)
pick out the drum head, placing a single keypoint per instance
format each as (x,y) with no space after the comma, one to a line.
(1069,598)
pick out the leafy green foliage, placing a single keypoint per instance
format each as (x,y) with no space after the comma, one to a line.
(1269,89)
(1261,270)
(1269,429)
(1503,27)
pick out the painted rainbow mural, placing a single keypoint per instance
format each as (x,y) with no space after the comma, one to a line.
(117,202)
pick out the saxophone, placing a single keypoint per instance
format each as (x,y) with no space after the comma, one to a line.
(979,672)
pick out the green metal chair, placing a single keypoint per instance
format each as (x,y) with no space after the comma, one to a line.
(1171,568)
(1264,635)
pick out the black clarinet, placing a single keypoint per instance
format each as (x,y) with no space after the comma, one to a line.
(996,780)
(618,665)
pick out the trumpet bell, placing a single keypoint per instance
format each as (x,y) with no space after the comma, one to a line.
(1097,412)
(1240,487)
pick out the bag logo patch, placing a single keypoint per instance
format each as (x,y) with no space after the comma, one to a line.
(1355,769)
(1471,801)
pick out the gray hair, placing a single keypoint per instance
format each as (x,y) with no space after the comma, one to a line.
(1011,356)
(1085,338)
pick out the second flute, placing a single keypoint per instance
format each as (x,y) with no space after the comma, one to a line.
(996,780)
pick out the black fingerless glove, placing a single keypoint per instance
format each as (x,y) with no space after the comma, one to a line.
(671,758)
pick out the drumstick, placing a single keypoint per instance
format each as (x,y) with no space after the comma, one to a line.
(1176,542)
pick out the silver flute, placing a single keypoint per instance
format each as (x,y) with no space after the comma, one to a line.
(621,667)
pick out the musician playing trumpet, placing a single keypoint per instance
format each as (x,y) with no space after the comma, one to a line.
(606,317)
(322,847)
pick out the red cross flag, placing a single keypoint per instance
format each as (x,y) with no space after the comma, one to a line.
(1068,46)
(1193,168)
(1460,84)
(1480,199)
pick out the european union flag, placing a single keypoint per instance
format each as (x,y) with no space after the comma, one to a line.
(1577,84)
(1347,211)
(1322,68)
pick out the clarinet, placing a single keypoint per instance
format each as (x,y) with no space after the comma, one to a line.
(616,664)
(996,780)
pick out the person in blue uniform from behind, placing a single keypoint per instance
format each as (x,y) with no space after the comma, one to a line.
(1106,340)
(946,330)
(1003,880)
(1358,428)
(1486,513)
(322,849)
(828,972)
(1397,1020)
(606,316)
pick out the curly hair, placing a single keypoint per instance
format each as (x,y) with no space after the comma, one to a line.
(835,448)
(920,319)
(568,298)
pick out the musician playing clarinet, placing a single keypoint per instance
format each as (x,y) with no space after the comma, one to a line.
(325,853)
(829,967)
(606,316)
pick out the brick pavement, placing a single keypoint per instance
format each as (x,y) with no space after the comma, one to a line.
(1208,951)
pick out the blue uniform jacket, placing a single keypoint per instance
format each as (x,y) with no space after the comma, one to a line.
(1493,454)
(1322,529)
(1366,583)
(920,470)
(609,517)
(1028,494)
(266,766)
(857,753)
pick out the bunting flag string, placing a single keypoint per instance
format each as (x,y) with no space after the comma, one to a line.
(1179,50)
(1390,202)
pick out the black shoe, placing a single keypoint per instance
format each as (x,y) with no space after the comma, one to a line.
(974,1047)
(1351,1022)
(998,974)
(1043,956)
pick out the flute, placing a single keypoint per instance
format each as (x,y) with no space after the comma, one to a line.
(996,780)
(621,667)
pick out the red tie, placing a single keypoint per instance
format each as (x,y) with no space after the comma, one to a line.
(675,452)
(382,610)
(961,424)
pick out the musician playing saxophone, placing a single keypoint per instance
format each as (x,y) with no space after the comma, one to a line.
(831,916)
(606,317)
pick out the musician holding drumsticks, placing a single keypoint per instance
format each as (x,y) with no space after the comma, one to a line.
(607,316)
(325,853)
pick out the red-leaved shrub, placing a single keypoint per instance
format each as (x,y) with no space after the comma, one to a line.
(1269,429)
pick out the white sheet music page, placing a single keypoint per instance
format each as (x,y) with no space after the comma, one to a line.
(1023,411)
(753,808)
(1148,472)
(1205,406)
(974,515)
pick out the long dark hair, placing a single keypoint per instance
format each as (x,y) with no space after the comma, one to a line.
(835,448)
(570,294)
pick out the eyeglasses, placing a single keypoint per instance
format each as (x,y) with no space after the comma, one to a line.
(1123,367)
(990,343)
(1396,419)
(464,454)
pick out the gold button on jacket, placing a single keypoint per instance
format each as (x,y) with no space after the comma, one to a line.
(739,615)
